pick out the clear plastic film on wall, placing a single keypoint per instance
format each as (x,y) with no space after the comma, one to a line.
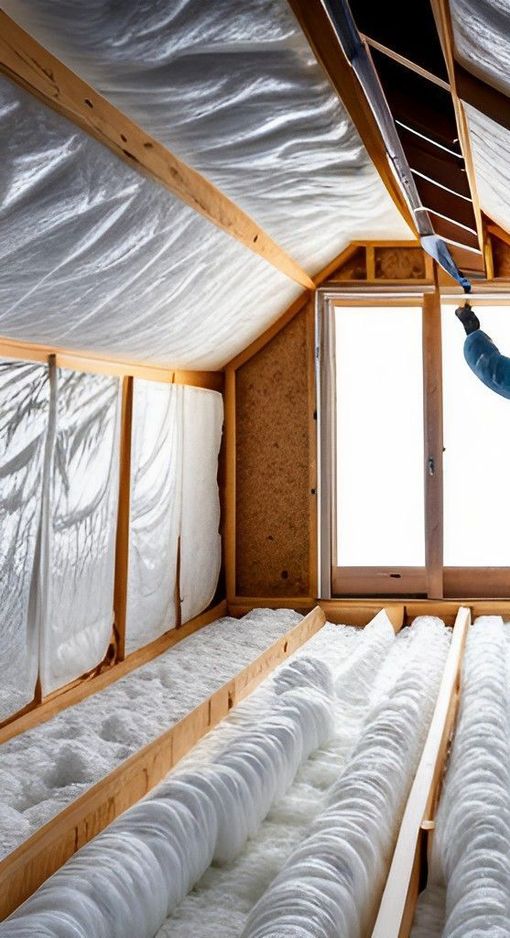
(78,561)
(156,473)
(24,399)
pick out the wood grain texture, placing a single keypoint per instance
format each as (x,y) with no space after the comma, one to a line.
(116,367)
(273,459)
(30,65)
(398,901)
(433,441)
(24,870)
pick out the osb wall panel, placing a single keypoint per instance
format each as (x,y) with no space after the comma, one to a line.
(501,258)
(273,458)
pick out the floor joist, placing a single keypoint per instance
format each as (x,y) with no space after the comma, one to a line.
(398,902)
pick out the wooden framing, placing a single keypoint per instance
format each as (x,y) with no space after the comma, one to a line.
(433,451)
(26,868)
(116,367)
(27,63)
(399,898)
(123,515)
(442,16)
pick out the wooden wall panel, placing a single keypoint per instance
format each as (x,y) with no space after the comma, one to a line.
(275,465)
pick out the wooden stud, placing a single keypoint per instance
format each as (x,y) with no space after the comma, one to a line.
(398,902)
(433,442)
(97,364)
(378,581)
(321,35)
(123,516)
(26,868)
(92,683)
(313,575)
(370,262)
(230,482)
(27,63)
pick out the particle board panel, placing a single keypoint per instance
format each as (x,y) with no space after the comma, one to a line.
(275,465)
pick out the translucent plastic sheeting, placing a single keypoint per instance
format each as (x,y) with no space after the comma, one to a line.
(130,878)
(24,400)
(156,482)
(235,90)
(481,29)
(200,538)
(491,155)
(96,256)
(78,578)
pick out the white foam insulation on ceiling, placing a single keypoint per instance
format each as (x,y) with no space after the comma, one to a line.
(491,156)
(481,29)
(104,259)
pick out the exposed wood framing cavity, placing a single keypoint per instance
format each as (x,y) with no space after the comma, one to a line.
(433,450)
(40,712)
(319,31)
(24,870)
(27,63)
(398,902)
(444,27)
(117,368)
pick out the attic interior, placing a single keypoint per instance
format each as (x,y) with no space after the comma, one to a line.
(254,565)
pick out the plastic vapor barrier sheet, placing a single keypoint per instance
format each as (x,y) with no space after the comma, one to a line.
(235,90)
(200,539)
(481,29)
(174,499)
(96,256)
(156,482)
(491,156)
(78,564)
(24,397)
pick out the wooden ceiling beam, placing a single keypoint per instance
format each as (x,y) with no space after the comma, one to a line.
(31,66)
(321,35)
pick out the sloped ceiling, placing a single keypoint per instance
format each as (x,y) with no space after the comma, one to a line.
(98,257)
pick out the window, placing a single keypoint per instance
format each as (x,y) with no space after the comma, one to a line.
(415,451)
(380,493)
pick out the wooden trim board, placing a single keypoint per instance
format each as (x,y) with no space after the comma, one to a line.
(39,72)
(116,367)
(86,686)
(24,870)
(399,898)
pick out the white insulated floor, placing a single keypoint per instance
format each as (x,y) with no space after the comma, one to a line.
(82,744)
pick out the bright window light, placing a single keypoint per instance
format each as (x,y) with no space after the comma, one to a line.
(477,451)
(380,488)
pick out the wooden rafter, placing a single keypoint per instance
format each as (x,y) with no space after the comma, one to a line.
(442,16)
(321,35)
(30,65)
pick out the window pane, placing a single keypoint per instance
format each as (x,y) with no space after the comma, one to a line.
(477,451)
(380,494)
